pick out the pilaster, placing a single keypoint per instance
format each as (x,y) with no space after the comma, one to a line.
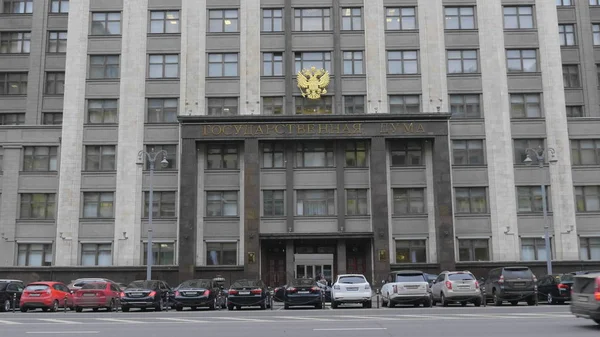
(11,162)
(250,59)
(379,208)
(443,200)
(251,203)
(375,56)
(37,75)
(193,57)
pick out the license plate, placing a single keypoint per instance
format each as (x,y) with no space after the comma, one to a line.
(137,294)
(35,295)
(583,299)
(88,295)
(352,289)
(519,284)
(303,292)
(192,294)
(244,293)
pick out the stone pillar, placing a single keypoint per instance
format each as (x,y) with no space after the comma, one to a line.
(193,58)
(375,56)
(199,204)
(188,203)
(37,57)
(251,206)
(290,206)
(443,200)
(341,258)
(337,55)
(250,57)
(379,208)
(588,69)
(11,163)
(289,261)
(432,251)
(340,153)
(288,63)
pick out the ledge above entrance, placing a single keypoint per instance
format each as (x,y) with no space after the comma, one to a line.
(336,236)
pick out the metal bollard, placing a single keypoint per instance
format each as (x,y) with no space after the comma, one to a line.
(65,304)
(14,303)
(271,303)
(377,298)
(535,296)
(167,304)
(484,297)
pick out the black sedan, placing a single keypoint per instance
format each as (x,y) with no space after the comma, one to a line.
(555,289)
(248,293)
(303,292)
(10,294)
(146,294)
(196,293)
(278,293)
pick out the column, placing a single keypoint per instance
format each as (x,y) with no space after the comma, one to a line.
(290,206)
(566,246)
(289,73)
(188,203)
(251,192)
(289,261)
(35,79)
(199,204)
(341,257)
(588,69)
(11,163)
(337,55)
(250,57)
(432,249)
(379,208)
(69,198)
(375,56)
(443,201)
(193,58)
(496,108)
(340,154)
(128,196)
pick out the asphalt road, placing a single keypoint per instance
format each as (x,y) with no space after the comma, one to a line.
(546,321)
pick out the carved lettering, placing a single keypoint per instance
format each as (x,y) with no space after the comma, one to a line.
(409,128)
(277,131)
(227,133)
(323,128)
(217,128)
(311,128)
(357,128)
(420,128)
(346,129)
(335,128)
(301,129)
(259,130)
(237,129)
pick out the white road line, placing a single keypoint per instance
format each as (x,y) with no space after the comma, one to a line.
(62,332)
(349,329)
(10,323)
(379,318)
(427,316)
(181,320)
(542,314)
(52,320)
(308,318)
(119,320)
(244,319)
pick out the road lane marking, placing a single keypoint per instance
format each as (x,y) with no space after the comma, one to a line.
(244,319)
(181,320)
(52,320)
(348,329)
(10,323)
(371,317)
(308,318)
(119,320)
(62,332)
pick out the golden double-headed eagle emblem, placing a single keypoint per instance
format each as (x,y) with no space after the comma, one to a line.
(313,82)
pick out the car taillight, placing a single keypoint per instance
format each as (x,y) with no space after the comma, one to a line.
(233,292)
(501,279)
(122,294)
(395,289)
(449,285)
(315,289)
(534,279)
(206,293)
(152,294)
(563,286)
(367,287)
(336,287)
(476,285)
(256,291)
(597,291)
(48,291)
(177,293)
(291,290)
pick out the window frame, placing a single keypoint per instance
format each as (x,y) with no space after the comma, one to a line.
(526,104)
(582,196)
(269,199)
(49,159)
(273,20)
(164,65)
(106,22)
(355,59)
(575,111)
(463,60)
(59,42)
(469,152)
(408,149)
(47,252)
(322,106)
(522,69)
(224,149)
(466,106)
(576,151)
(101,156)
(585,244)
(99,204)
(596,34)
(302,148)
(357,195)
(329,197)
(564,34)
(269,103)
(221,249)
(471,200)
(96,251)
(352,18)
(6,82)
(299,20)
(61,4)
(352,152)
(518,16)
(530,192)
(401,62)
(222,19)
(273,64)
(459,17)
(159,261)
(400,18)
(420,201)
(13,5)
(160,110)
(530,143)
(157,204)
(272,149)
(411,245)
(12,118)
(55,83)
(106,67)
(223,64)
(222,203)
(52,118)
(224,104)
(104,111)
(164,20)
(571,76)
(301,60)
(537,244)
(471,248)
(172,154)
(27,206)
(21,38)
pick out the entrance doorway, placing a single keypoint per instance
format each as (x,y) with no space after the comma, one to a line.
(313,265)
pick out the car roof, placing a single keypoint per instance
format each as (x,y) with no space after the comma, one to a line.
(353,275)
(403,272)
(10,280)
(590,275)
(45,283)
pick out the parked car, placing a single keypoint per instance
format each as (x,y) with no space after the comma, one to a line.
(585,302)
(146,294)
(406,287)
(10,294)
(430,278)
(584,272)
(78,283)
(279,292)
(351,288)
(555,289)
(96,295)
(248,293)
(512,284)
(303,292)
(196,293)
(456,287)
(46,295)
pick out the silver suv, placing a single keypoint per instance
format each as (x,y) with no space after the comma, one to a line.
(456,287)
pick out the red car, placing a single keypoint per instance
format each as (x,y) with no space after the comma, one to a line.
(48,295)
(97,295)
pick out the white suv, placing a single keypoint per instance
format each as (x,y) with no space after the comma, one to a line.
(351,288)
(406,287)
(456,287)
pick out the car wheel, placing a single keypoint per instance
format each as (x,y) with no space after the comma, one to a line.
(238,307)
(334,305)
(597,321)
(194,308)
(179,308)
(95,309)
(125,309)
(463,304)
(550,299)
(6,306)
(514,303)
(384,303)
(230,307)
(54,307)
(443,300)
(263,305)
(319,306)
(531,302)
(286,306)
(391,304)
(428,303)
(23,309)
(477,302)
(213,305)
(78,309)
(160,305)
(111,306)
(367,304)
(497,300)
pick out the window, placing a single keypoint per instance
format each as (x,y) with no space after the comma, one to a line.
(566,34)
(525,106)
(402,62)
(312,19)
(589,248)
(465,106)
(163,66)
(356,154)
(404,18)
(13,83)
(521,60)
(40,158)
(223,21)
(411,251)
(273,155)
(273,204)
(405,104)
(226,106)
(357,202)
(221,254)
(585,151)
(468,152)
(104,67)
(518,17)
(12,119)
(55,83)
(102,111)
(473,250)
(98,204)
(272,20)
(534,249)
(462,61)
(57,42)
(574,110)
(571,76)
(15,42)
(306,106)
(568,2)
(592,2)
(409,201)
(354,105)
(106,23)
(222,203)
(272,64)
(162,110)
(319,60)
(351,19)
(163,204)
(315,202)
(18,6)
(596,34)
(171,157)
(272,105)
(587,198)
(314,154)
(41,206)
(35,254)
(59,6)
(222,156)
(407,153)
(164,22)
(521,146)
(163,254)
(460,17)
(530,199)
(222,65)
(96,254)
(472,200)
(100,157)
(52,118)
(353,63)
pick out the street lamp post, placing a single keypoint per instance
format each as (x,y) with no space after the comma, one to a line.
(151,158)
(540,155)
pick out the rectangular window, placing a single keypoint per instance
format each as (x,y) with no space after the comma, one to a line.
(34,254)
(314,154)
(100,157)
(221,203)
(221,156)
(272,20)
(12,119)
(221,253)
(571,76)
(273,203)
(319,60)
(162,110)
(352,18)
(356,154)
(411,251)
(306,106)
(465,106)
(401,18)
(353,63)
(460,17)
(462,62)
(171,157)
(534,249)
(13,83)
(225,106)
(585,151)
(98,205)
(405,104)
(402,62)
(223,65)
(18,6)
(59,6)
(164,22)
(566,34)
(589,248)
(106,23)
(521,60)
(52,118)
(163,254)
(357,202)
(407,153)
(468,152)
(408,201)
(596,34)
(471,200)
(312,19)
(102,111)
(55,83)
(40,206)
(96,254)
(223,21)
(354,105)
(273,155)
(315,202)
(521,146)
(163,204)
(473,250)
(163,66)
(587,198)
(272,64)
(574,110)
(530,199)
(525,106)
(518,17)
(568,2)
(40,158)
(272,105)
(15,42)
(104,67)
(57,42)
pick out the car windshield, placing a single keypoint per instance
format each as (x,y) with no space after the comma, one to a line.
(460,277)
(352,279)
(36,287)
(566,278)
(143,284)
(196,284)
(410,278)
(94,286)
(246,283)
(303,282)
(517,273)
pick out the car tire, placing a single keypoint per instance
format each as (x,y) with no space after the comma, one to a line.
(78,309)
(95,309)
(334,305)
(111,306)
(550,299)
(213,304)
(319,306)
(427,303)
(230,307)
(160,305)
(124,309)
(531,302)
(54,307)
(367,304)
(496,299)
(194,308)
(23,309)
(513,303)
(286,306)
(391,304)
(597,321)
(179,308)
(6,306)
(443,300)
(477,302)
